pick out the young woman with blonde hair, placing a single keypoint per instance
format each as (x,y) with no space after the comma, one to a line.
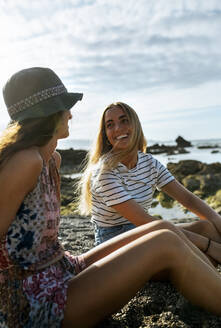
(120,178)
(41,285)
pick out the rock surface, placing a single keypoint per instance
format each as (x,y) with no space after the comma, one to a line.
(181,142)
(200,178)
(169,150)
(72,160)
(179,148)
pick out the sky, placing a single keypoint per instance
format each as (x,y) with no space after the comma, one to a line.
(162,57)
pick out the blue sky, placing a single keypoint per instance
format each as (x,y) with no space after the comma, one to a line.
(162,57)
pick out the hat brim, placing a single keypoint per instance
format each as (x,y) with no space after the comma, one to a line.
(49,106)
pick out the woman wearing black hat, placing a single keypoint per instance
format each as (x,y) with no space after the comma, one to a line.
(40,284)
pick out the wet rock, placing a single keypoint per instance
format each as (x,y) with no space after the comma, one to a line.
(197,176)
(209,184)
(184,168)
(69,195)
(154,203)
(169,150)
(160,149)
(68,190)
(181,142)
(72,160)
(165,200)
(208,146)
(191,183)
(182,150)
(179,148)
(214,168)
(202,179)
(215,201)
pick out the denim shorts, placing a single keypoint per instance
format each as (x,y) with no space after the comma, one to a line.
(104,233)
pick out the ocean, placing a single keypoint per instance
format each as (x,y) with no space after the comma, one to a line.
(205,155)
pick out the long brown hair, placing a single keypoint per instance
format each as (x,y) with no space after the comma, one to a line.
(28,133)
(102,149)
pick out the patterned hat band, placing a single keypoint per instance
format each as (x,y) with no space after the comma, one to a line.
(35,99)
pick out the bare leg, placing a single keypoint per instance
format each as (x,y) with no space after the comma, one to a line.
(111,245)
(204,228)
(108,284)
(199,232)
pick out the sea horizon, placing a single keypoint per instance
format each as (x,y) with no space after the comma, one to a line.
(85,144)
(204,155)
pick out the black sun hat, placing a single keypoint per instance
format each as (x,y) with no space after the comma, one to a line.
(37,92)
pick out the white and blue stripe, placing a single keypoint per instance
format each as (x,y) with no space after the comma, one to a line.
(121,184)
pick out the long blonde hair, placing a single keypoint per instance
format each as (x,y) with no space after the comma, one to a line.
(102,149)
(28,133)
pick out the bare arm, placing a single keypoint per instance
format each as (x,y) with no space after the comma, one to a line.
(133,212)
(57,158)
(17,178)
(193,203)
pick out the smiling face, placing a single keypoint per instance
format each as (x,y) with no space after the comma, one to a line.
(118,128)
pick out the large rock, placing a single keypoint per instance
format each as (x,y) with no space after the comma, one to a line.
(165,200)
(68,195)
(214,168)
(161,149)
(72,160)
(169,150)
(181,142)
(191,183)
(179,148)
(215,201)
(184,168)
(203,178)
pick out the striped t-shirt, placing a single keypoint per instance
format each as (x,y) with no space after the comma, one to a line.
(121,184)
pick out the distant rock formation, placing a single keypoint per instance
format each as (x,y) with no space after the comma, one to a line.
(179,148)
(169,150)
(181,142)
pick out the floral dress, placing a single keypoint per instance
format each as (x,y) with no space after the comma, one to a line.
(34,268)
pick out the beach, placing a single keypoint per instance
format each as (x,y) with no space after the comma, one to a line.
(158,304)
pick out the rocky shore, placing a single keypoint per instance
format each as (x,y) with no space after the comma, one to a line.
(157,304)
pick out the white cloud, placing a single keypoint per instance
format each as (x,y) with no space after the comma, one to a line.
(162,55)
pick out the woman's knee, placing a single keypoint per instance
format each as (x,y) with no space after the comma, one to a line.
(208,229)
(203,227)
(169,236)
(170,249)
(168,241)
(163,224)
